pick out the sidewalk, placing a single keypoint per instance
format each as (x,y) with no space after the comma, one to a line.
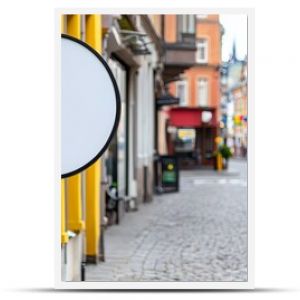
(198,234)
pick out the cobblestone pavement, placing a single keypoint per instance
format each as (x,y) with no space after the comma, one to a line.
(199,234)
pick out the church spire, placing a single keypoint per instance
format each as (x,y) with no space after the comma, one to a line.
(233,55)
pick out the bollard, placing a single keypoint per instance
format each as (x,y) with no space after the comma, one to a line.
(82,271)
(219,162)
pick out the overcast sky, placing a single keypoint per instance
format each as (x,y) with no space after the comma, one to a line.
(235,29)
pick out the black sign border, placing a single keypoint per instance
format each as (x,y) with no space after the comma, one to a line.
(118,106)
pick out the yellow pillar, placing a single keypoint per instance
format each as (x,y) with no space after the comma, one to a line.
(93,173)
(73,25)
(94,32)
(64,235)
(62,23)
(73,184)
(93,212)
(218,141)
(219,162)
(73,193)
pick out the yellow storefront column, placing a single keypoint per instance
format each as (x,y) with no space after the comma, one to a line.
(219,162)
(73,25)
(74,208)
(63,231)
(94,32)
(93,173)
(62,24)
(219,158)
(73,184)
(64,235)
(93,221)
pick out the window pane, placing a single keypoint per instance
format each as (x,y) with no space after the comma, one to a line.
(181,92)
(202,92)
(191,28)
(202,51)
(184,23)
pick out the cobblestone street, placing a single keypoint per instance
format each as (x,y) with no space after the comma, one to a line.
(199,234)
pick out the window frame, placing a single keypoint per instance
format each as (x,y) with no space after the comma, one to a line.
(206,48)
(186,24)
(183,82)
(199,79)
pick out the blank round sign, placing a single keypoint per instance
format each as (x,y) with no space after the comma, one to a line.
(90,106)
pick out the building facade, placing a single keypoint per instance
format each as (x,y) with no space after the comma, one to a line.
(198,89)
(132,49)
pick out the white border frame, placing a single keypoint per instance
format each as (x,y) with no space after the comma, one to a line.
(159,285)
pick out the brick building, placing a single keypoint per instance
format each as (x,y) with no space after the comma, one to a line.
(198,89)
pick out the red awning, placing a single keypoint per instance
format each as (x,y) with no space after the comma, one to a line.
(195,117)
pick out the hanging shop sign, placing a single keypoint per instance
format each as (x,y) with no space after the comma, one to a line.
(90,106)
(206,116)
(165,100)
(169,173)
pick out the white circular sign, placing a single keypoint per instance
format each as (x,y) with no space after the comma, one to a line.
(206,116)
(90,106)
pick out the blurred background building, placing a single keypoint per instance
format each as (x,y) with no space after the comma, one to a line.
(193,125)
(234,103)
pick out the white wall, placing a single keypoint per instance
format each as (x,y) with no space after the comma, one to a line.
(71,259)
(132,131)
(145,124)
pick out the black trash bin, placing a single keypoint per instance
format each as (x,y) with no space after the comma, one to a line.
(113,203)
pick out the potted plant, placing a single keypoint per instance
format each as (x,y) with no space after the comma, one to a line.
(226,153)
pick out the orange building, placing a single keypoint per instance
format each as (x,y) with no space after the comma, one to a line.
(178,36)
(200,85)
(198,89)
